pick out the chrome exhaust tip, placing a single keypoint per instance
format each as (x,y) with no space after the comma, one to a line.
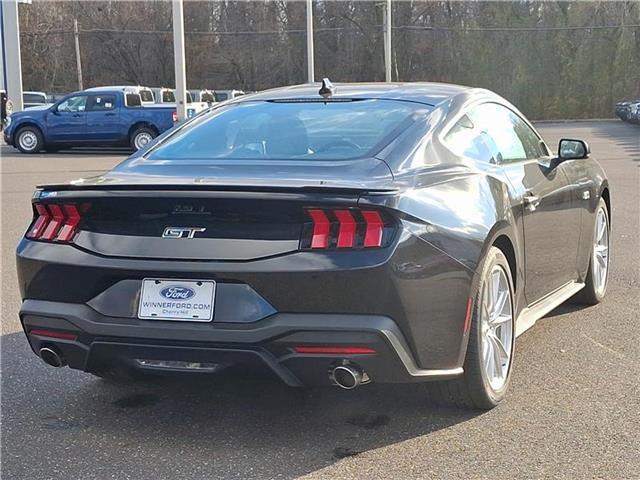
(51,357)
(348,376)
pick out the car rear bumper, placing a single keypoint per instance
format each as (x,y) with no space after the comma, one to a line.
(103,341)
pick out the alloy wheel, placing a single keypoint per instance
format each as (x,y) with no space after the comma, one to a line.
(496,327)
(600,257)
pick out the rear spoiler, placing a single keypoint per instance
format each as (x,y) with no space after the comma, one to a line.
(339,194)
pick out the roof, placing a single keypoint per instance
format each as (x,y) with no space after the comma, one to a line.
(115,87)
(422,92)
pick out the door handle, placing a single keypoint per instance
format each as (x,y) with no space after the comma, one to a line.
(531,201)
(109,114)
(76,115)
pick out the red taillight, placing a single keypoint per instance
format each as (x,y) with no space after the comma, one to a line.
(174,116)
(375,227)
(41,222)
(68,230)
(346,228)
(53,334)
(57,217)
(55,222)
(322,350)
(321,228)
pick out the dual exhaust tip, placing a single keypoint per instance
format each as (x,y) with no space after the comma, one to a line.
(348,376)
(50,356)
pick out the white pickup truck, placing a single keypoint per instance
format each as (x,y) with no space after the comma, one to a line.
(168,96)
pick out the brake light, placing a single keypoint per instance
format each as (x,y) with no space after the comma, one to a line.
(41,222)
(321,227)
(375,226)
(346,228)
(55,222)
(174,116)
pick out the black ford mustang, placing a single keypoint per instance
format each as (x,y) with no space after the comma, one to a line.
(352,234)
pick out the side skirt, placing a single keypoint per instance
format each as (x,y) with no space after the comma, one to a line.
(530,315)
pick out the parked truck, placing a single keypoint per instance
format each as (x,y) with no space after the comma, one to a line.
(109,117)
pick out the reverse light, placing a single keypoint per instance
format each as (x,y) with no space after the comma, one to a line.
(174,116)
(346,228)
(54,222)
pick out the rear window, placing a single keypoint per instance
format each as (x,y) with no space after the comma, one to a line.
(168,96)
(33,98)
(314,130)
(146,96)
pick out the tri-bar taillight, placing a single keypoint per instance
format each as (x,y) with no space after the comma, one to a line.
(55,222)
(344,228)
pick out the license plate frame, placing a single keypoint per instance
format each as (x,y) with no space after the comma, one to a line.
(177,300)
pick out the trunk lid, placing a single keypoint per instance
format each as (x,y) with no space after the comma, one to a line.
(211,211)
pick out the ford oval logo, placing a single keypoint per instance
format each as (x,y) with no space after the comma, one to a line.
(175,292)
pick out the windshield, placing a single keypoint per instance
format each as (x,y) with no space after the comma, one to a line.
(314,130)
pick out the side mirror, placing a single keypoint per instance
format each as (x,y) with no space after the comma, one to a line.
(569,149)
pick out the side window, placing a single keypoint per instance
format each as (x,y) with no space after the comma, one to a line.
(99,103)
(73,104)
(511,138)
(465,139)
(132,100)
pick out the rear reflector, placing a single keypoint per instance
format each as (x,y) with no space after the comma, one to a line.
(346,228)
(467,317)
(55,222)
(53,334)
(334,350)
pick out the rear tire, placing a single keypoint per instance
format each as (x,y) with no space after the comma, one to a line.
(477,389)
(141,137)
(29,140)
(596,282)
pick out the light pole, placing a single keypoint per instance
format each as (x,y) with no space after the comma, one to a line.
(310,65)
(179,59)
(12,69)
(387,41)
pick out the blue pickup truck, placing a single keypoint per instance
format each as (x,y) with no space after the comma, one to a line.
(95,117)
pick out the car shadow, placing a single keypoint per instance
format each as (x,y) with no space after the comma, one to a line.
(251,425)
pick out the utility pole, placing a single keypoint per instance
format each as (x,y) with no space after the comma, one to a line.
(310,65)
(179,59)
(76,36)
(11,43)
(387,41)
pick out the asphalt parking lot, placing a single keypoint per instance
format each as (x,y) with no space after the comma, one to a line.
(573,410)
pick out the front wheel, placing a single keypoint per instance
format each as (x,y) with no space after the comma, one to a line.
(489,358)
(598,273)
(29,140)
